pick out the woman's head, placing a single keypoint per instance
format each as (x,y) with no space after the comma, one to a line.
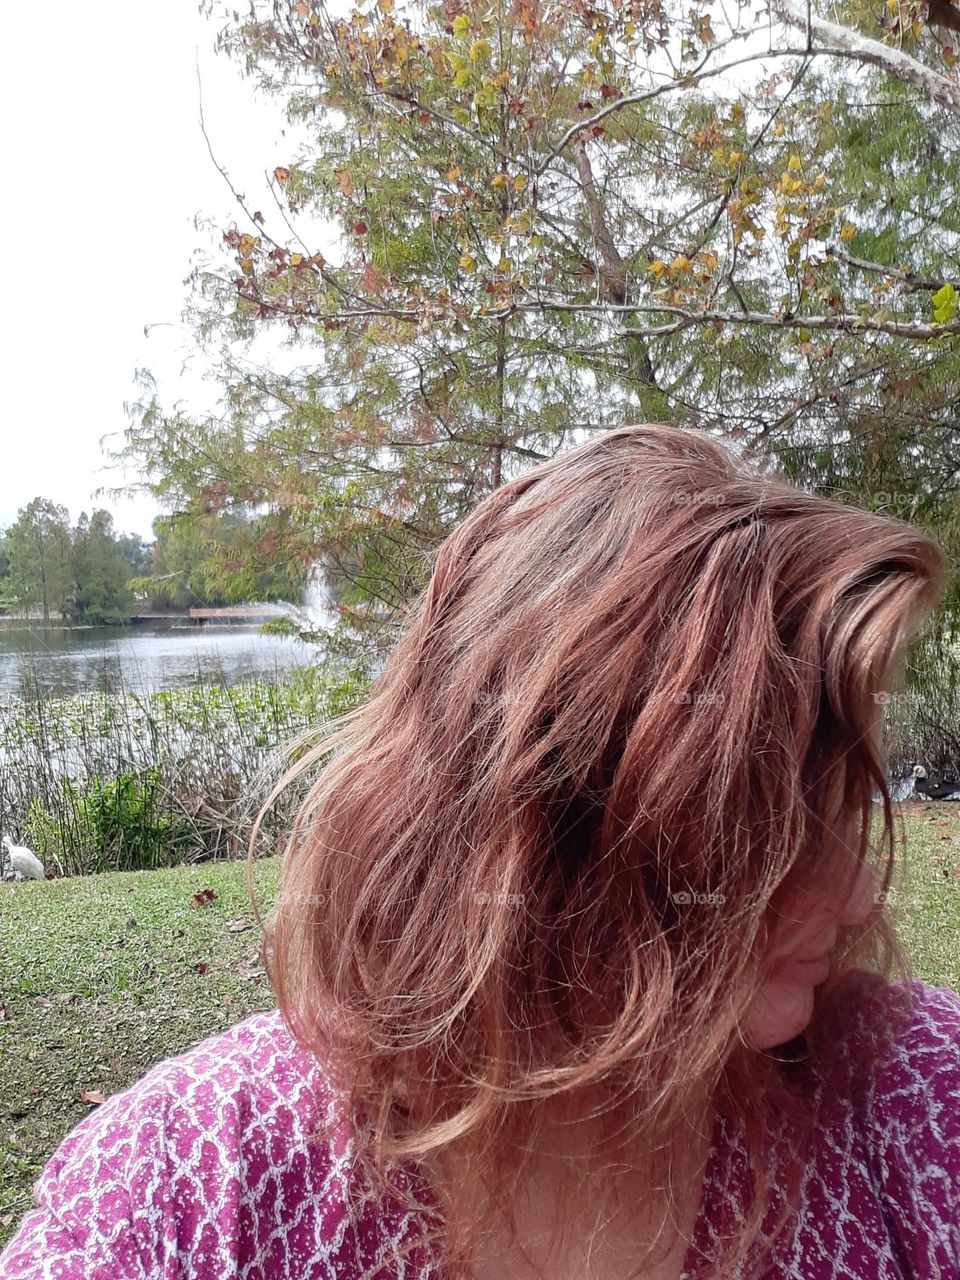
(629,736)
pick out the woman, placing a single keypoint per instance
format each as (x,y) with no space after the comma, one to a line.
(581,952)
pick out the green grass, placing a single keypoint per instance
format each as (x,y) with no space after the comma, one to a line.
(102,976)
(928,907)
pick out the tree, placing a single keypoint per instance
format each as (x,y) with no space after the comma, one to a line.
(38,550)
(555,218)
(101,572)
(4,574)
(217,558)
(135,551)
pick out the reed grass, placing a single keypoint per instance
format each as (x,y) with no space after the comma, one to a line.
(123,781)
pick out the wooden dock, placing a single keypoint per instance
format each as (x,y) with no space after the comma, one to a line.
(239,613)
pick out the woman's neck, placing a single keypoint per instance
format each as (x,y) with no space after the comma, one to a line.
(579,1211)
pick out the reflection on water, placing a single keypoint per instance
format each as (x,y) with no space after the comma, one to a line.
(56,663)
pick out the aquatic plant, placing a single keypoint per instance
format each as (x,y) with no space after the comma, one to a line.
(118,781)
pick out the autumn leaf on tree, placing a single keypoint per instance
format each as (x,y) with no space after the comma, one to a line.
(372,280)
(508,266)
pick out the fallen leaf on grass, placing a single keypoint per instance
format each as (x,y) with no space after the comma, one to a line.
(238,925)
(203,896)
(92,1095)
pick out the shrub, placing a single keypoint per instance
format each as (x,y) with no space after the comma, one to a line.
(115,824)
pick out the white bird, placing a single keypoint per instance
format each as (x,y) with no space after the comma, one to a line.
(901,788)
(24,860)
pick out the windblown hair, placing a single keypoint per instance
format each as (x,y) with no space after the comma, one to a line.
(644,679)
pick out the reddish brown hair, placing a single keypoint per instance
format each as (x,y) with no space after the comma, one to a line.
(641,671)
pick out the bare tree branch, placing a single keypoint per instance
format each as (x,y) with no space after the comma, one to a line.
(910,281)
(839,323)
(837,41)
(847,323)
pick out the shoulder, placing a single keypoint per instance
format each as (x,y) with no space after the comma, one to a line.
(926,1049)
(910,1117)
(915,1085)
(894,1055)
(230,1158)
(253,1068)
(207,1107)
(259,1149)
(891,1039)
(102,1204)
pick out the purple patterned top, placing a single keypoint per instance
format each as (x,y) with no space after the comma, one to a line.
(201,1171)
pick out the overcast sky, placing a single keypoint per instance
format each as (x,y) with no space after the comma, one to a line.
(105,170)
(106,174)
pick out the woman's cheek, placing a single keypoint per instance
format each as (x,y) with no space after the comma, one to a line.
(780,1011)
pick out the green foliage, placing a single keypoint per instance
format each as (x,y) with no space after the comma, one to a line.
(81,574)
(216,557)
(122,780)
(279,627)
(101,572)
(37,548)
(117,824)
(535,234)
(944,304)
(135,551)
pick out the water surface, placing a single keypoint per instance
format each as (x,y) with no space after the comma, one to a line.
(56,662)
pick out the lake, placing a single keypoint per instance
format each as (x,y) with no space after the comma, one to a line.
(56,662)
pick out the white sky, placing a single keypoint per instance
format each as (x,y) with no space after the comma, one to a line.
(105,169)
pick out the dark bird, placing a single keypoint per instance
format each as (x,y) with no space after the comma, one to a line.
(922,786)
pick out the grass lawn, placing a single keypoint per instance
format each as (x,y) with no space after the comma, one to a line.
(102,976)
